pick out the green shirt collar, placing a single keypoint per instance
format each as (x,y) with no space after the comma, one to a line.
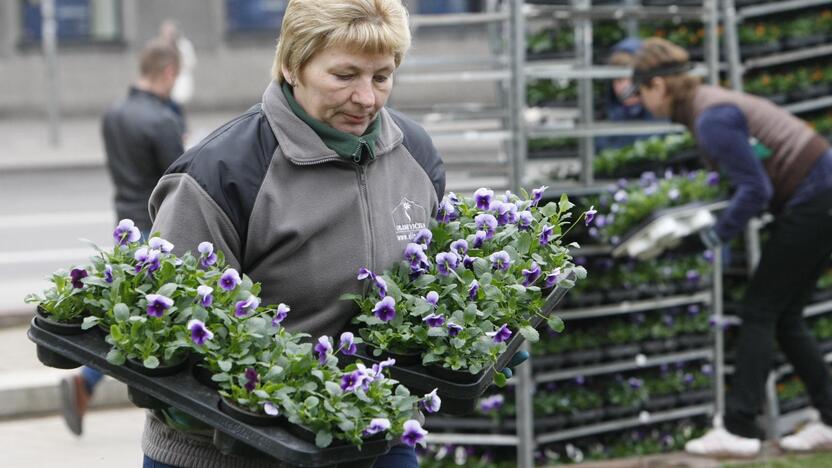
(347,145)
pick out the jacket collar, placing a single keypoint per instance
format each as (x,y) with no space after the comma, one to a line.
(299,142)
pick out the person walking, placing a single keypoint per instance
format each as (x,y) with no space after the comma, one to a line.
(142,137)
(183,88)
(777,162)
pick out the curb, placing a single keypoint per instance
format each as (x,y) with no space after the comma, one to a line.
(36,392)
(13,168)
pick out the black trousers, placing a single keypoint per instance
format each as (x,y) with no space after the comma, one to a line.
(792,261)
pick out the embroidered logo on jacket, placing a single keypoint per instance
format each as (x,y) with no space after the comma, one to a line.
(409,218)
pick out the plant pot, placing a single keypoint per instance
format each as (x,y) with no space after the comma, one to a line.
(621,351)
(203,375)
(551,423)
(143,400)
(452,375)
(249,417)
(756,50)
(694,341)
(802,42)
(621,295)
(403,358)
(659,403)
(59,328)
(50,358)
(696,396)
(586,417)
(653,346)
(164,369)
(825,346)
(586,356)
(621,412)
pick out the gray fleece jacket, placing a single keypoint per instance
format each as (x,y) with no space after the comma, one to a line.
(293,215)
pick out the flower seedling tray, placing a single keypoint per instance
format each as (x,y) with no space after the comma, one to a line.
(459,397)
(665,228)
(184,392)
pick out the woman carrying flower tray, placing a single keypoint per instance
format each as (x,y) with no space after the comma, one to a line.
(306,187)
(775,161)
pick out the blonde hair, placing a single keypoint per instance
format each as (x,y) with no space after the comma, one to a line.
(659,53)
(368,26)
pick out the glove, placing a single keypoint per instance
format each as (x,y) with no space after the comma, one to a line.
(518,358)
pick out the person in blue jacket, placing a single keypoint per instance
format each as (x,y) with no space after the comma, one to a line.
(618,106)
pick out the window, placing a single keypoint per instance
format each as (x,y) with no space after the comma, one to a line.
(254,16)
(448,6)
(79,21)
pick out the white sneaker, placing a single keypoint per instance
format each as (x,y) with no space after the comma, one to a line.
(813,436)
(720,443)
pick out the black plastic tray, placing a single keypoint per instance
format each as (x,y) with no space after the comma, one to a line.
(460,398)
(184,392)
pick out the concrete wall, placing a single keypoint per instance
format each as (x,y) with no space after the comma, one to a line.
(231,72)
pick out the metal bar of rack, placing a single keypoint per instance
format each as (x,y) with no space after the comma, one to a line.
(638,362)
(627,307)
(777,7)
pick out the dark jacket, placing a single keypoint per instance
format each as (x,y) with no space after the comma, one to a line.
(290,213)
(142,137)
(616,111)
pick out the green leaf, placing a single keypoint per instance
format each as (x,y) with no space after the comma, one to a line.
(221,377)
(524,243)
(423,281)
(115,357)
(262,394)
(549,210)
(481,266)
(333,388)
(437,331)
(350,297)
(323,438)
(151,362)
(317,373)
(564,204)
(89,322)
(121,312)
(167,290)
(555,323)
(580,272)
(530,334)
(225,365)
(566,284)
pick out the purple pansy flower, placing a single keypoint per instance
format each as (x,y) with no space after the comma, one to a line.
(525,219)
(479,239)
(423,237)
(108,273)
(244,308)
(415,254)
(453,329)
(126,232)
(531,275)
(158,304)
(347,344)
(385,309)
(413,432)
(157,243)
(453,198)
(546,234)
(205,295)
(364,273)
(252,378)
(207,256)
(230,280)
(352,381)
(473,288)
(282,311)
(483,198)
(199,332)
(270,409)
(590,215)
(378,369)
(713,178)
(468,262)
(635,383)
(432,298)
(500,260)
(460,246)
(506,213)
(446,262)
(446,212)
(491,403)
(377,425)
(621,196)
(323,348)
(674,194)
(694,309)
(434,320)
(486,222)
(431,402)
(381,285)
(693,277)
(537,194)
(501,335)
(708,255)
(552,278)
(76,275)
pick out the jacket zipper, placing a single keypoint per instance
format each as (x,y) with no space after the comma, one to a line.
(365,199)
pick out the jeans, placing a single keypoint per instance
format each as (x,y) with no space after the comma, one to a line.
(400,456)
(772,311)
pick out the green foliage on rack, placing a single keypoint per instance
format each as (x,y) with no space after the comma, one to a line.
(654,149)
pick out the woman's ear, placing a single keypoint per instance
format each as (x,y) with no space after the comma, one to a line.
(287,76)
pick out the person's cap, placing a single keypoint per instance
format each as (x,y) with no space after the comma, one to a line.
(643,76)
